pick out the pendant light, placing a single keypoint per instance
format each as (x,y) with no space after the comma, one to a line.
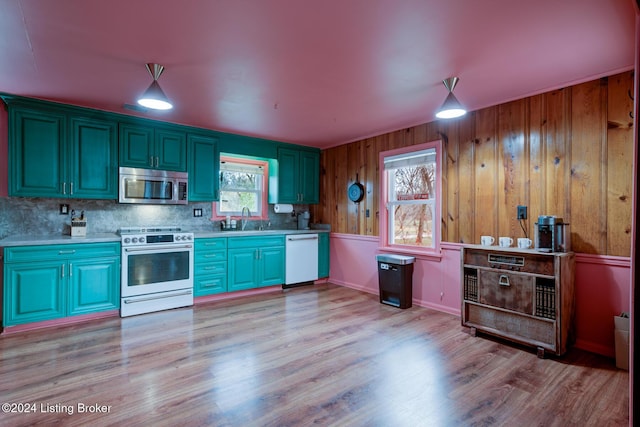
(451,107)
(154,97)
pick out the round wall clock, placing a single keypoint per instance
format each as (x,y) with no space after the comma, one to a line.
(356,192)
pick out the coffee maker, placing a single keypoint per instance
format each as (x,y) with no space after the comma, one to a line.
(552,234)
(303,220)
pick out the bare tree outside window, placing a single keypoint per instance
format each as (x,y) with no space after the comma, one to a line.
(411,198)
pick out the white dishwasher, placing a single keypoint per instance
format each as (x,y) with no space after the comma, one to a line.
(302,258)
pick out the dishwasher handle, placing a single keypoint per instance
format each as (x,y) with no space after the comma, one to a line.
(291,238)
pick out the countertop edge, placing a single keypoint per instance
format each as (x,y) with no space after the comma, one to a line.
(22,240)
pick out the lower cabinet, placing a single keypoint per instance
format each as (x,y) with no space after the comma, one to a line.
(255,262)
(323,255)
(53,281)
(210,266)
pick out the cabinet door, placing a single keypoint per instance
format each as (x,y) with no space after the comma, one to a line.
(323,254)
(288,176)
(34,292)
(94,163)
(170,150)
(36,153)
(136,146)
(309,177)
(271,264)
(242,269)
(204,165)
(94,285)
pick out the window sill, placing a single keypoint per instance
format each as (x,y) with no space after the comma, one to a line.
(436,255)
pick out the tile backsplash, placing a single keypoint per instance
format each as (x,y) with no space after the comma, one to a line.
(40,216)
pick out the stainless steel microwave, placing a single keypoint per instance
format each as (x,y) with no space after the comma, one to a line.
(149,186)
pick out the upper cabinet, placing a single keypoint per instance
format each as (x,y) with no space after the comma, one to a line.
(61,154)
(203,168)
(298,176)
(64,151)
(94,158)
(143,146)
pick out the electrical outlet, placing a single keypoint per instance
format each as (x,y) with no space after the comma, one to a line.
(64,209)
(522,212)
(197,212)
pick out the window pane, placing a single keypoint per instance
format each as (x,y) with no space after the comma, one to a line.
(411,224)
(234,201)
(240,181)
(412,183)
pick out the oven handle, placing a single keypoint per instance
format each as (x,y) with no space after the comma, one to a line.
(151,298)
(151,249)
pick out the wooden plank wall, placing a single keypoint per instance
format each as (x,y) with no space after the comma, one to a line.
(567,153)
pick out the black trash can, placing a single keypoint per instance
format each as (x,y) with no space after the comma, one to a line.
(395,274)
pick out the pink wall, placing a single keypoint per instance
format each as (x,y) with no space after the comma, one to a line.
(602,284)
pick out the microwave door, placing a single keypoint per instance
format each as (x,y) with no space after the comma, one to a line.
(158,190)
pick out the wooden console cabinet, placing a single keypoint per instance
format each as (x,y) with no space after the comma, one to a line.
(521,295)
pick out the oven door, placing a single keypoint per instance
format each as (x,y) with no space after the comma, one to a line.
(161,268)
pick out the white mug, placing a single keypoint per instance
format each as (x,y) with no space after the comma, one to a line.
(505,242)
(524,243)
(487,240)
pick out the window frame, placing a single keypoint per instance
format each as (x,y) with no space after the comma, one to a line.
(383,224)
(265,189)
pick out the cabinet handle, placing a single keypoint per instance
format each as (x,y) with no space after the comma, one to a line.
(210,256)
(151,161)
(62,270)
(64,188)
(70,272)
(504,280)
(71,188)
(67,252)
(157,162)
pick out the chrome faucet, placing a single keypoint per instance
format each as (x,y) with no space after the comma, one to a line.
(244,221)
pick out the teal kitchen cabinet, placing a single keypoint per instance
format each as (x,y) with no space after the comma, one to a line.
(298,176)
(94,159)
(59,154)
(203,168)
(47,282)
(94,285)
(210,266)
(323,254)
(36,152)
(145,146)
(255,262)
(33,291)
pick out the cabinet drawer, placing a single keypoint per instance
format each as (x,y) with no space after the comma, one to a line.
(210,268)
(530,262)
(208,244)
(208,285)
(53,252)
(209,256)
(256,242)
(510,291)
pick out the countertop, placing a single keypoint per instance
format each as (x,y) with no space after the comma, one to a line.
(29,240)
(57,239)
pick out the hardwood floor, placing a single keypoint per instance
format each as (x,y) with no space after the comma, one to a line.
(316,355)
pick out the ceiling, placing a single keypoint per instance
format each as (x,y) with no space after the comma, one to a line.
(318,73)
